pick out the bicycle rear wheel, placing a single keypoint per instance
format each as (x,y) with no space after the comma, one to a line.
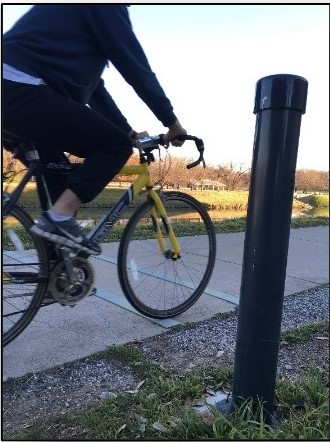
(24,273)
(155,284)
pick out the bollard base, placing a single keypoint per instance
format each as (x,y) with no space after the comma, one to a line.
(225,406)
(214,400)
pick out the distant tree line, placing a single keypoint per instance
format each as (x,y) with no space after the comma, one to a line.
(309,180)
(173,173)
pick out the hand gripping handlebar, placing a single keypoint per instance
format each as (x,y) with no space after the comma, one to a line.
(152,142)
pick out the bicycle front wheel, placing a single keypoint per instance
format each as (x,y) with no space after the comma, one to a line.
(24,273)
(155,284)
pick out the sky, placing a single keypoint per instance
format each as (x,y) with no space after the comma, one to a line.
(208,59)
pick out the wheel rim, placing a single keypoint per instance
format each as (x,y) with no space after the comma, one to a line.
(23,275)
(157,285)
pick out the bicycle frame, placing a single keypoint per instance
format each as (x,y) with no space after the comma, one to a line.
(37,273)
(143,181)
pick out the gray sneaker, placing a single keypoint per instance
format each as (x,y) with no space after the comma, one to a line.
(66,233)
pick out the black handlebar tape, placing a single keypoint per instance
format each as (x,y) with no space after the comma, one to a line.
(161,139)
(194,164)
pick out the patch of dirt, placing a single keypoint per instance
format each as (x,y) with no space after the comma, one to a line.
(74,387)
(293,360)
(69,388)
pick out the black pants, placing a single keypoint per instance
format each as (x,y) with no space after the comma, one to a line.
(57,124)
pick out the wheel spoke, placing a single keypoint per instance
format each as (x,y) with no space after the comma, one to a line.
(156,285)
(24,275)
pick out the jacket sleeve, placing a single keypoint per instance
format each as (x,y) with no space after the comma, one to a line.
(102,102)
(112,28)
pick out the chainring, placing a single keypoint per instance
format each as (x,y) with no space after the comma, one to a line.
(60,287)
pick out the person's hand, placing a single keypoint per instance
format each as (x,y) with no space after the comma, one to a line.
(174,131)
(138,135)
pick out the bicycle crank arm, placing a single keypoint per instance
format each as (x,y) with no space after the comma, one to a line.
(68,265)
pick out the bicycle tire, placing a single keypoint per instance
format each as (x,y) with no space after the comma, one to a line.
(154,284)
(24,273)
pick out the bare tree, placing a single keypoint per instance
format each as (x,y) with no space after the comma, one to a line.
(172,171)
(308,180)
(233,175)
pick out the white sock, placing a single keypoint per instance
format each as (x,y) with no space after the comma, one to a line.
(55,217)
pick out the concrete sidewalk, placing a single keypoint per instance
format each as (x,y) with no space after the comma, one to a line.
(63,334)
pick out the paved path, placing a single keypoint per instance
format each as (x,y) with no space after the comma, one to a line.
(64,334)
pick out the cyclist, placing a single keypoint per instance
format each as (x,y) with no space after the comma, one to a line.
(54,96)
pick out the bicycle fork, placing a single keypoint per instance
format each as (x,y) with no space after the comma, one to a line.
(159,208)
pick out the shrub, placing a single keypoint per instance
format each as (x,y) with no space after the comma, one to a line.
(319,201)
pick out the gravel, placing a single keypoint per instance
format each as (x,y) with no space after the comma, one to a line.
(298,310)
(76,385)
(88,376)
(203,344)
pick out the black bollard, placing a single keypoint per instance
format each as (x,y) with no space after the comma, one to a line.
(279,104)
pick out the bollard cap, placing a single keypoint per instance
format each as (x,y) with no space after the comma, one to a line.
(282,91)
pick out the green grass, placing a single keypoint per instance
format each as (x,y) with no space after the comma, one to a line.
(236,223)
(161,405)
(309,221)
(230,225)
(223,226)
(319,201)
(305,406)
(161,408)
(21,232)
(304,333)
(227,206)
(213,200)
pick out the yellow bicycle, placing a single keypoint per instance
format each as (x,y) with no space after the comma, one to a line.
(166,252)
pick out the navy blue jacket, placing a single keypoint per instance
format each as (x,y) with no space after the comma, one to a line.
(68,46)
